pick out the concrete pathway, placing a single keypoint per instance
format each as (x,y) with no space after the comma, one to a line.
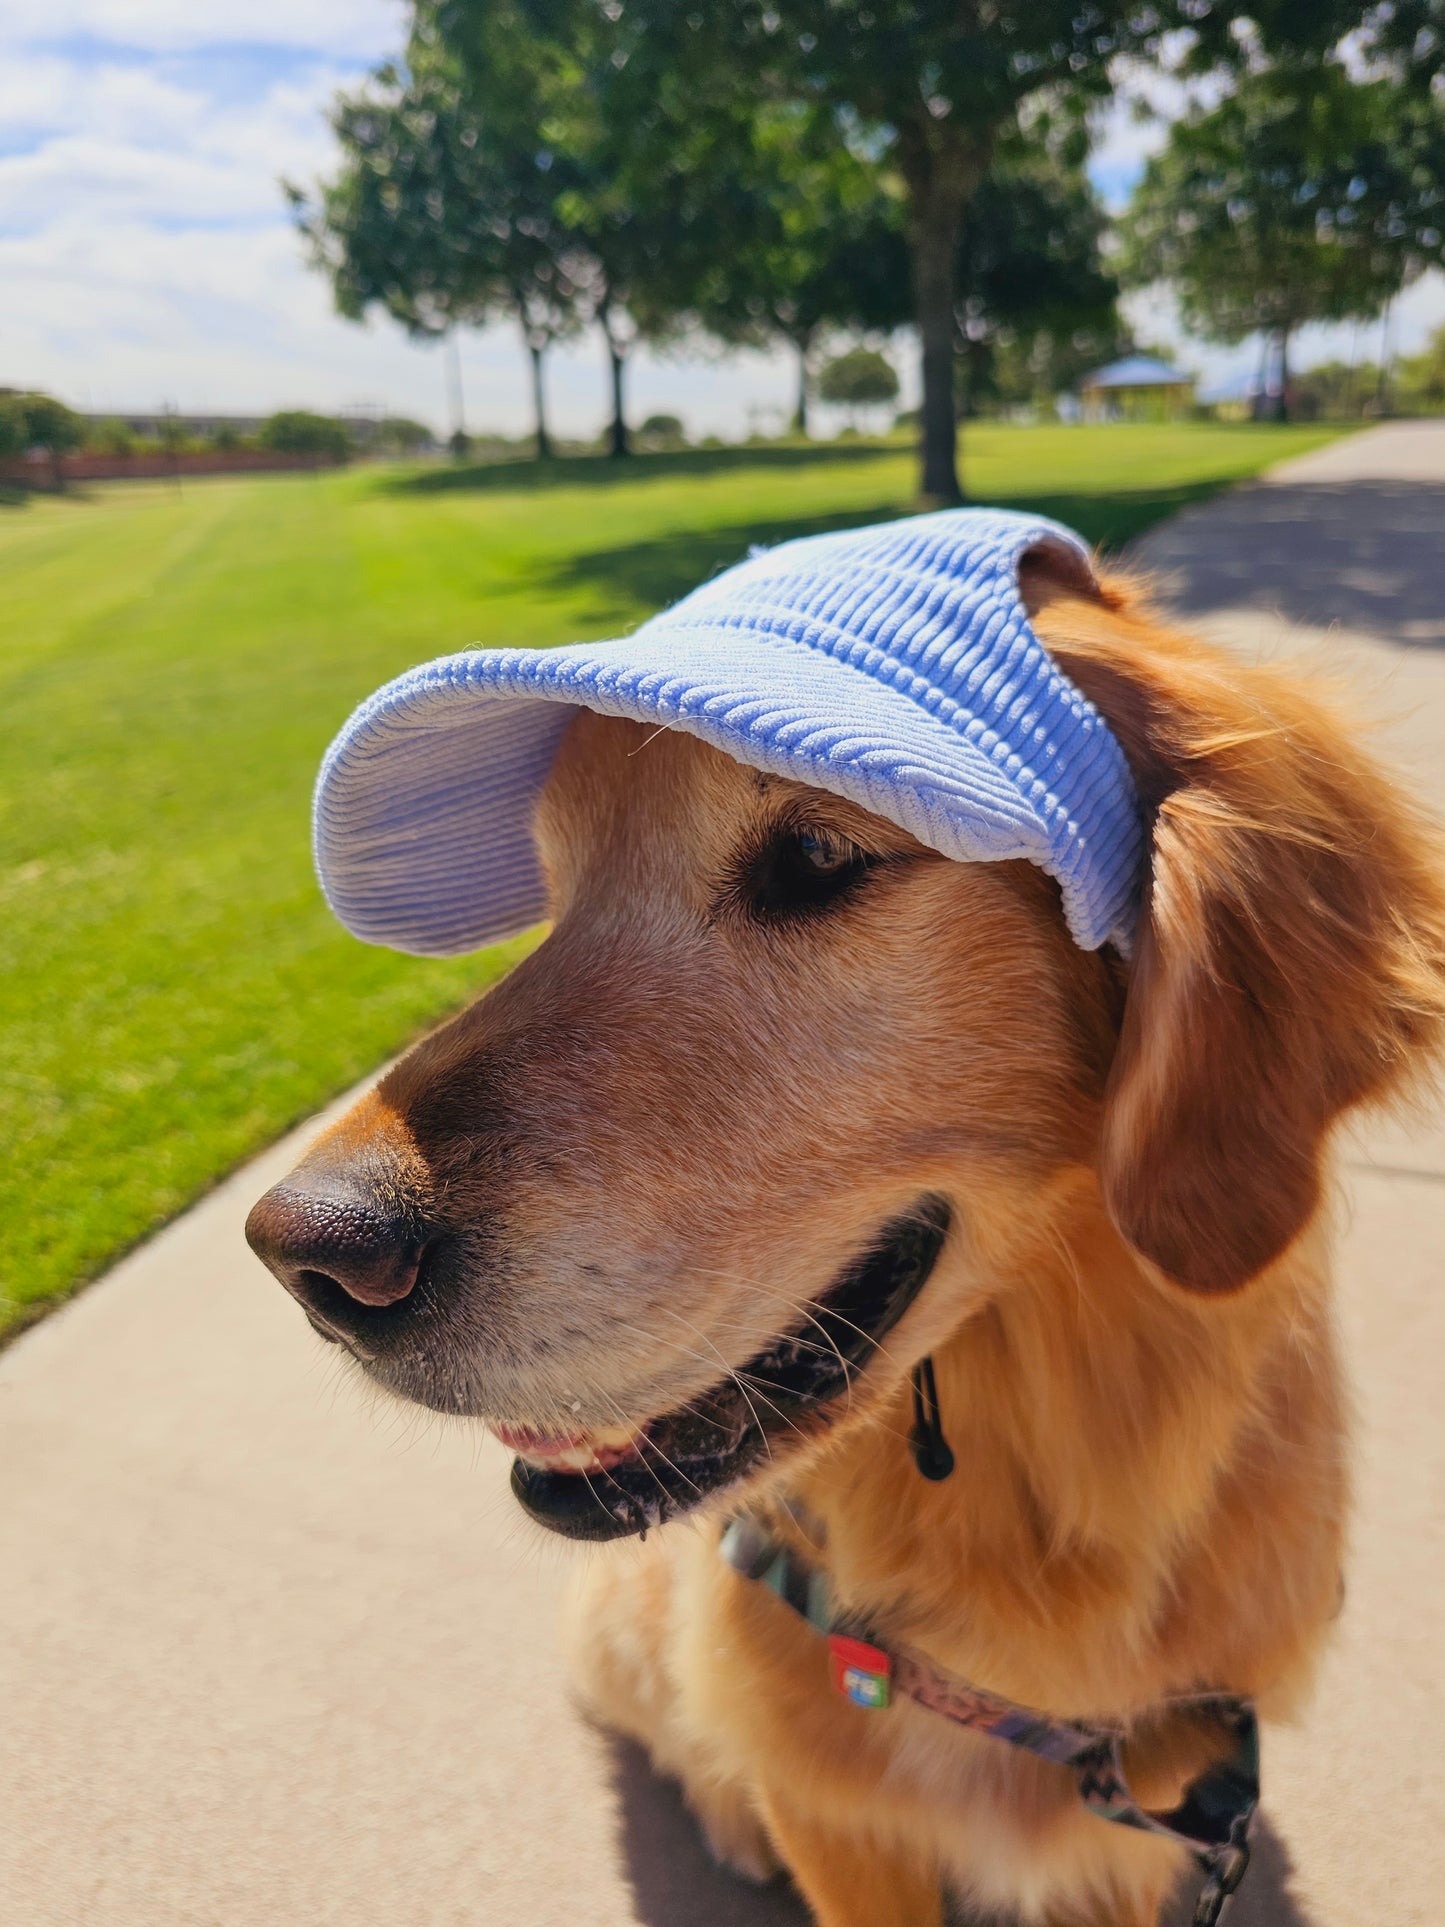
(270,1657)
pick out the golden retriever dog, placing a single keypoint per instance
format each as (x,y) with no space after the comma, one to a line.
(787,1103)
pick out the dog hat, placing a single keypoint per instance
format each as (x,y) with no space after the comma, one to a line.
(895,666)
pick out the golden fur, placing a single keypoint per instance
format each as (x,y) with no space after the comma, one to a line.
(661,1137)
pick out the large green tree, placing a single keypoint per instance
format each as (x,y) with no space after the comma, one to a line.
(924,88)
(1301,196)
(783,234)
(40,421)
(443,210)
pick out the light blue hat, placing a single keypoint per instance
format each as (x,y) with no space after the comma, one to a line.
(895,666)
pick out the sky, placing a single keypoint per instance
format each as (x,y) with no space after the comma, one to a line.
(146,256)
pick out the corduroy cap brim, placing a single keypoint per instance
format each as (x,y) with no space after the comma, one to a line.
(894,665)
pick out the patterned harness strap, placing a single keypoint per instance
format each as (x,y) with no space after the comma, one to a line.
(1213,1818)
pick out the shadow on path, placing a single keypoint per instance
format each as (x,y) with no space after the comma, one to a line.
(676,1883)
(1369,555)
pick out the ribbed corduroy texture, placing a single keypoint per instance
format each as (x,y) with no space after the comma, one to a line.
(895,666)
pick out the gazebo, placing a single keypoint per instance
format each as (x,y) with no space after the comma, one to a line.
(1138,388)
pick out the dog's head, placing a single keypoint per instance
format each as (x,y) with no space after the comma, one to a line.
(785,1095)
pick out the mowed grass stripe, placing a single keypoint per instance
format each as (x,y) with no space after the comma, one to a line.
(174,662)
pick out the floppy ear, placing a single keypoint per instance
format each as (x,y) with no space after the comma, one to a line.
(1290,958)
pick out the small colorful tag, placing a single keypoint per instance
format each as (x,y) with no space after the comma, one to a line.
(860,1671)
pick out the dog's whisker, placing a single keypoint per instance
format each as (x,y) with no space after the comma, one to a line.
(653,1446)
(801,1308)
(727,1369)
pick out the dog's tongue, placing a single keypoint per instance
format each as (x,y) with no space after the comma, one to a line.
(569,1451)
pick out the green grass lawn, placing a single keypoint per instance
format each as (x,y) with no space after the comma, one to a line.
(174,663)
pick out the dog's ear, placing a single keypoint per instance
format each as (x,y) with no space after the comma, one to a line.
(1290,957)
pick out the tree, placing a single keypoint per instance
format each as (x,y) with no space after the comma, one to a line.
(400,435)
(924,89)
(14,438)
(620,212)
(663,432)
(49,424)
(442,211)
(1037,306)
(785,233)
(1290,201)
(859,378)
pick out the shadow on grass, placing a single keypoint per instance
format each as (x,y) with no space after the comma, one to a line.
(600,471)
(628,581)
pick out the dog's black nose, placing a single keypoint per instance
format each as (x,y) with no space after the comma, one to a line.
(335,1250)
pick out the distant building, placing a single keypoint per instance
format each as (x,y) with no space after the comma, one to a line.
(1138,388)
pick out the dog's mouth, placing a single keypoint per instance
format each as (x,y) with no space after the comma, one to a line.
(606,1486)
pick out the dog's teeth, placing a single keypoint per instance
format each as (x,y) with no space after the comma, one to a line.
(578,1452)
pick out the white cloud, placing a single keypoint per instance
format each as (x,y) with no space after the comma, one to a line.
(146,253)
(355,30)
(120,315)
(153,150)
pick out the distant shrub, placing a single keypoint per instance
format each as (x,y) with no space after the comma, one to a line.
(296,431)
(112,437)
(399,435)
(50,424)
(663,431)
(227,438)
(861,378)
(459,444)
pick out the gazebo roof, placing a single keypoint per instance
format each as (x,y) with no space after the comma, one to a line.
(1137,371)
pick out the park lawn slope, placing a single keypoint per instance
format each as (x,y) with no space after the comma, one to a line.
(174,662)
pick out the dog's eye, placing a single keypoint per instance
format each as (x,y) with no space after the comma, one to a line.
(800,872)
(825,854)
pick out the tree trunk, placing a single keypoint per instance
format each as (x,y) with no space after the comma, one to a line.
(934,238)
(1382,385)
(617,441)
(454,390)
(1259,409)
(1281,407)
(802,343)
(942,167)
(539,402)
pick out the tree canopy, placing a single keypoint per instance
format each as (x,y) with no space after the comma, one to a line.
(860,378)
(923,92)
(779,169)
(442,212)
(1293,200)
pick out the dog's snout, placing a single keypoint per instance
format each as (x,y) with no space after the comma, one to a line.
(327,1248)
